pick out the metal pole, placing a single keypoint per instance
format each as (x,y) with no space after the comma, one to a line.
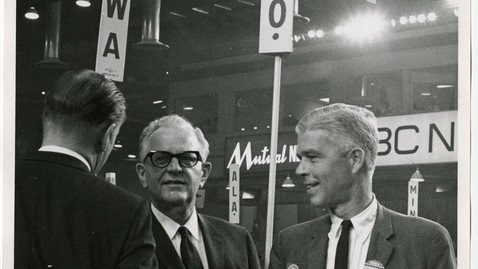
(272,167)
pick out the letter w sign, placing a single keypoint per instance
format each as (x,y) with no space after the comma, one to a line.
(110,55)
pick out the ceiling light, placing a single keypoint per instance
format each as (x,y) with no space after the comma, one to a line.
(200,10)
(131,156)
(246,3)
(223,7)
(339,30)
(118,146)
(311,33)
(296,38)
(403,20)
(177,14)
(417,176)
(412,19)
(393,23)
(83,3)
(327,100)
(157,102)
(288,183)
(319,33)
(425,94)
(32,14)
(188,108)
(443,86)
(163,107)
(247,195)
(421,18)
(431,16)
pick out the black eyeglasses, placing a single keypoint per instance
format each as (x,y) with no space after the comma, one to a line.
(162,159)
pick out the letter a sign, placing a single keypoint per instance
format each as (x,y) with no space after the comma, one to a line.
(234,193)
(110,55)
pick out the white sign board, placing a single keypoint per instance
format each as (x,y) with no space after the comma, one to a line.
(412,198)
(234,193)
(419,138)
(276,26)
(111,51)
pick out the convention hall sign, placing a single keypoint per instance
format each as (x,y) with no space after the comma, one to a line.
(410,139)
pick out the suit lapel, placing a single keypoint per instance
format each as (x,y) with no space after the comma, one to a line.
(317,249)
(165,252)
(212,243)
(380,249)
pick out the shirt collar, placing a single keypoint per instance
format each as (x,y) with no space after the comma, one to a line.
(362,223)
(171,227)
(58,149)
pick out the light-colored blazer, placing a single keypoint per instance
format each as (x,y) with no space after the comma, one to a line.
(397,241)
(228,246)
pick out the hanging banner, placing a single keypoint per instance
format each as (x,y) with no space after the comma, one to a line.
(111,52)
(234,193)
(412,198)
(276,26)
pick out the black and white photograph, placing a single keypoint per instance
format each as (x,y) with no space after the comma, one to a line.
(261,134)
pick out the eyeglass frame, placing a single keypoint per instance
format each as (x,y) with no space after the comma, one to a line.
(171,156)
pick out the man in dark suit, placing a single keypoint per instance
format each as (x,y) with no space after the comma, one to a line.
(66,216)
(337,147)
(174,166)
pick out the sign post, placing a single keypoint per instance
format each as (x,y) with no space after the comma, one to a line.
(412,198)
(111,52)
(234,193)
(275,38)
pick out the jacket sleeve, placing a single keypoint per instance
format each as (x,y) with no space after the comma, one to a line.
(275,256)
(442,252)
(138,251)
(253,257)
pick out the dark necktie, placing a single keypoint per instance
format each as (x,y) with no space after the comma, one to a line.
(189,253)
(342,254)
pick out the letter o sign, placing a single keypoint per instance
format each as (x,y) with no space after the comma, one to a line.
(276,26)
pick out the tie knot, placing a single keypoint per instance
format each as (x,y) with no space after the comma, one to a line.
(183,231)
(346,225)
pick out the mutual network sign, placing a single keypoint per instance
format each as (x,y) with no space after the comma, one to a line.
(410,139)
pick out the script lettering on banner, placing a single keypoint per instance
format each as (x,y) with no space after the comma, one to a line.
(111,51)
(234,193)
(412,198)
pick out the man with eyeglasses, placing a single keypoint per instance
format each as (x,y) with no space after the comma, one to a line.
(174,166)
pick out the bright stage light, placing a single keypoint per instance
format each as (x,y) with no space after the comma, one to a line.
(393,23)
(403,20)
(311,33)
(431,16)
(421,18)
(319,33)
(32,14)
(365,27)
(339,30)
(296,38)
(412,19)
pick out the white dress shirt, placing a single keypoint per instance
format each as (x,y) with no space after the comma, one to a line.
(66,151)
(359,236)
(171,227)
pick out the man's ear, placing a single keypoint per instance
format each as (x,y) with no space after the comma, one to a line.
(141,174)
(357,159)
(206,170)
(107,138)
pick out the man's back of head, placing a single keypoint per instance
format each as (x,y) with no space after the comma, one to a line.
(82,103)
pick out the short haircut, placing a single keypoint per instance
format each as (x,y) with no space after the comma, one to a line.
(174,121)
(350,126)
(84,98)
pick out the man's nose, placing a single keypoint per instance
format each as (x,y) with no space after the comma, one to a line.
(301,169)
(174,165)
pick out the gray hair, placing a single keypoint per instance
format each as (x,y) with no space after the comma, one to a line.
(174,121)
(351,126)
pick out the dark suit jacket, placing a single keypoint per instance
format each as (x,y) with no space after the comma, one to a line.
(227,245)
(397,241)
(65,217)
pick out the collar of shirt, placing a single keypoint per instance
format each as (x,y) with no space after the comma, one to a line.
(171,227)
(362,223)
(58,149)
